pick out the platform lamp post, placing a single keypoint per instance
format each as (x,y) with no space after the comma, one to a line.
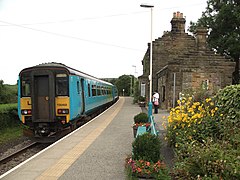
(133,78)
(150,75)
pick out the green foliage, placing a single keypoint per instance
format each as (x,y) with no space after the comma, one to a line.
(209,160)
(10,134)
(136,91)
(223,21)
(8,93)
(147,147)
(8,116)
(141,118)
(124,82)
(206,136)
(228,103)
(141,99)
(199,94)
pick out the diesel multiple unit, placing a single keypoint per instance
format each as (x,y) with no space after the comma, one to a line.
(53,96)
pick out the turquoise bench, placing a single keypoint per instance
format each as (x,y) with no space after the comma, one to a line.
(141,130)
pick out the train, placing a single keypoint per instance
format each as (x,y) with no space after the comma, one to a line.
(53,97)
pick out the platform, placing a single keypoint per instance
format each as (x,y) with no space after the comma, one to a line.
(96,150)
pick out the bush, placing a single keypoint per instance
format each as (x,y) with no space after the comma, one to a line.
(141,99)
(210,160)
(141,118)
(228,104)
(206,136)
(191,121)
(147,147)
(8,116)
(8,93)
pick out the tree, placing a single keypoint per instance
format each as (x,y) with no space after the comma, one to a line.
(222,18)
(124,82)
(8,93)
(1,91)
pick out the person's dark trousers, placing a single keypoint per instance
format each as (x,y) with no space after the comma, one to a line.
(155,109)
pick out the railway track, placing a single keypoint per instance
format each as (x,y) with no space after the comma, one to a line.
(17,153)
(16,157)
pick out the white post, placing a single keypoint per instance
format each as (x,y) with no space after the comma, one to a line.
(174,89)
(150,71)
(150,93)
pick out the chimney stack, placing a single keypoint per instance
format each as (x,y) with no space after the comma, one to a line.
(201,37)
(178,23)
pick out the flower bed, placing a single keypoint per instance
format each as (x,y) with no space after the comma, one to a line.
(146,161)
(146,169)
(206,136)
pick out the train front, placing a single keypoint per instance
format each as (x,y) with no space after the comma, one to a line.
(43,100)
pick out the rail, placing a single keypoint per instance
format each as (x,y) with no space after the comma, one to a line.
(14,154)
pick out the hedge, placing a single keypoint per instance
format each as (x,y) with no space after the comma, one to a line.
(8,116)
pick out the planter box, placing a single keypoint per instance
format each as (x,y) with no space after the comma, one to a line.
(135,131)
(142,104)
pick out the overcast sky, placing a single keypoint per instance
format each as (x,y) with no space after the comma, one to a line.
(104,38)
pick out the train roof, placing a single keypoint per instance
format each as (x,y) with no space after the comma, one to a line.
(69,69)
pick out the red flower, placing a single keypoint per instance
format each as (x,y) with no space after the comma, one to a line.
(147,163)
(139,169)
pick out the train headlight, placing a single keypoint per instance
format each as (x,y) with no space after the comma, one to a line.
(26,112)
(63,111)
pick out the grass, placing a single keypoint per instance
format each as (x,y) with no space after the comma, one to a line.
(10,134)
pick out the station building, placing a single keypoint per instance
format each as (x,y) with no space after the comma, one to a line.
(182,62)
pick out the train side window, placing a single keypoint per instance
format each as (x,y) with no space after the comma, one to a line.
(61,85)
(94,91)
(26,87)
(89,90)
(98,91)
(102,89)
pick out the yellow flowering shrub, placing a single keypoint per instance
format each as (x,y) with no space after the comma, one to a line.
(206,136)
(191,121)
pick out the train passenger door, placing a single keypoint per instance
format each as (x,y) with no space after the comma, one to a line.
(42,97)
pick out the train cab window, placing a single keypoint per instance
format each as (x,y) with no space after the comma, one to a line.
(61,85)
(26,87)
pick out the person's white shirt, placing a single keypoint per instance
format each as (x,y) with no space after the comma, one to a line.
(155,97)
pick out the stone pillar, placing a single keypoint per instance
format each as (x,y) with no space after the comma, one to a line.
(201,37)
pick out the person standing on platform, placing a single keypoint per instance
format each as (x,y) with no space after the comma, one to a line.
(155,102)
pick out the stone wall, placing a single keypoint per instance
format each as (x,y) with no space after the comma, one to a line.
(188,57)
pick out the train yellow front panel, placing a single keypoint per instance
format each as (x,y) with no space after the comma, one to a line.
(62,103)
(26,104)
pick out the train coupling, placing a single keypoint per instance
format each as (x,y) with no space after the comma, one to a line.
(43,129)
